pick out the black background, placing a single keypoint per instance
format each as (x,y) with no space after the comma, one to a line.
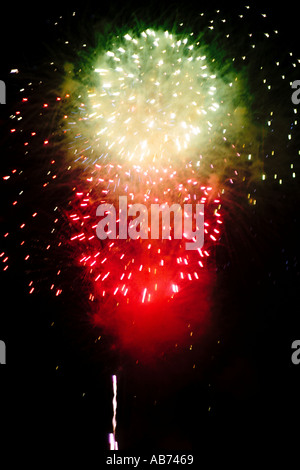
(255,399)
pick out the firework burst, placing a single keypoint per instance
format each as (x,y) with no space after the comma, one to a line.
(162,114)
(156,115)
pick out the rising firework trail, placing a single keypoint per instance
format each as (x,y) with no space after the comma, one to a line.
(112,437)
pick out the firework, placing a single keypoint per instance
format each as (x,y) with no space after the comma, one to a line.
(153,119)
(157,99)
(157,116)
(161,114)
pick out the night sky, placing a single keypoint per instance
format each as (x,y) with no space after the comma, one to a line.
(56,386)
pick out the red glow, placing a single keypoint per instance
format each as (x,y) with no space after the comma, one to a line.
(144,291)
